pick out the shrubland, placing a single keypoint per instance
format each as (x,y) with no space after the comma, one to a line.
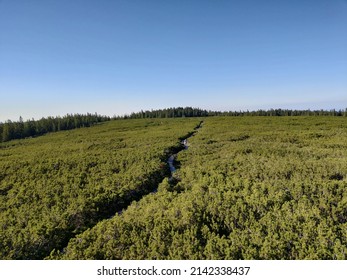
(58,185)
(250,188)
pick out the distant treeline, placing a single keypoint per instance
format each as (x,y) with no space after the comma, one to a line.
(168,113)
(284,112)
(196,112)
(22,129)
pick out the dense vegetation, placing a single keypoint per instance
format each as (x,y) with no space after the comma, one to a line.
(22,129)
(248,188)
(196,112)
(251,188)
(178,112)
(58,185)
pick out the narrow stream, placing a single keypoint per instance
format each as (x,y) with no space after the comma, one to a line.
(144,190)
(184,146)
(171,164)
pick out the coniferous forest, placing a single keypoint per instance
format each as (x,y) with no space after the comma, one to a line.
(243,187)
(22,129)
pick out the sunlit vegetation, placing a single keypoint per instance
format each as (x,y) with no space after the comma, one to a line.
(246,188)
(250,188)
(10,130)
(58,185)
(178,112)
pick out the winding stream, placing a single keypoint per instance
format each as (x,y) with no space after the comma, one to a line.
(145,190)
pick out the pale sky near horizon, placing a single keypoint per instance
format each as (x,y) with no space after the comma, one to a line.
(121,56)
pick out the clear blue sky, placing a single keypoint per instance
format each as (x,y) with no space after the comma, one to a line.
(115,57)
